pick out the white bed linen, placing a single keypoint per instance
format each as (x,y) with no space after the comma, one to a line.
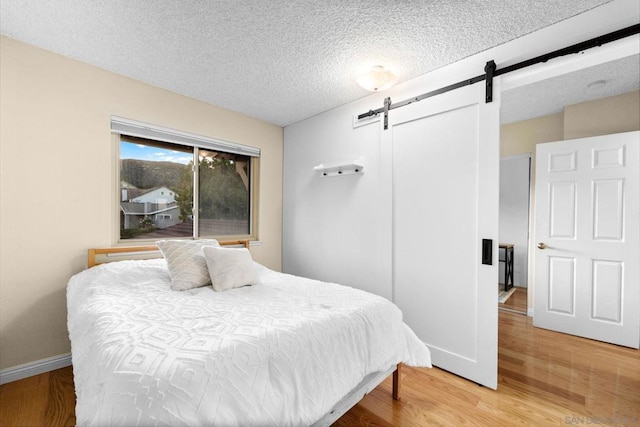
(278,353)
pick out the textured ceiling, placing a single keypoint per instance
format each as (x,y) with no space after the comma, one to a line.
(279,60)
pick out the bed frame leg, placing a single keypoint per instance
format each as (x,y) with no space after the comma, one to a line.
(396,383)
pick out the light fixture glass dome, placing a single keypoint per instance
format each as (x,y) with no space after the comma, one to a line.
(377,78)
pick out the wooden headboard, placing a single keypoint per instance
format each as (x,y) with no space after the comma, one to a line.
(98,256)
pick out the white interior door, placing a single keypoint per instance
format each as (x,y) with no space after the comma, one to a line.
(588,229)
(445,163)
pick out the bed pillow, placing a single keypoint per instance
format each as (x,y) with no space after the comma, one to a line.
(229,267)
(186,264)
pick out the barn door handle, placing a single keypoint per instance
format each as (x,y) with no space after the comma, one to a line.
(487,251)
(542,245)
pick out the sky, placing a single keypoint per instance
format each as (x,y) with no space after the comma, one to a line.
(144,152)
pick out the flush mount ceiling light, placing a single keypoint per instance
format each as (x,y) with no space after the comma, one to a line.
(596,85)
(377,78)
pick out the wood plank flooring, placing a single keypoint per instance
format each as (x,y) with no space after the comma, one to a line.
(43,400)
(545,379)
(517,301)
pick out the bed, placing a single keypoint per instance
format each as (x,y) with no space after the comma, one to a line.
(284,351)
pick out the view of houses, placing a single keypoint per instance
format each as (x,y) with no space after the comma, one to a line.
(157,204)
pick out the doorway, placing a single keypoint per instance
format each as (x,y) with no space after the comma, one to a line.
(515,194)
(593,94)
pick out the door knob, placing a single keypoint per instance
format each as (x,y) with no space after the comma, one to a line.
(541,245)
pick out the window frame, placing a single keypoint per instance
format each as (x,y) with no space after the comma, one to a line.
(129,128)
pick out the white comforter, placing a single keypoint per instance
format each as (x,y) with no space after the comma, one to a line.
(279,353)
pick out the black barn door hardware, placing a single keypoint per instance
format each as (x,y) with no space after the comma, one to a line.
(487,251)
(491,71)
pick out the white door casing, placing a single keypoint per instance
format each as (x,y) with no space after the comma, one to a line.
(588,229)
(445,165)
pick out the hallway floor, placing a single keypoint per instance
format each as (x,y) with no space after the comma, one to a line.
(517,301)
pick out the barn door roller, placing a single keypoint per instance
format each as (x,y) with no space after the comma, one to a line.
(489,69)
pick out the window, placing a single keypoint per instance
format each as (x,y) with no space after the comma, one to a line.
(223,196)
(164,195)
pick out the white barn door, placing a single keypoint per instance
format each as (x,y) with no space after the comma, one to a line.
(588,234)
(445,184)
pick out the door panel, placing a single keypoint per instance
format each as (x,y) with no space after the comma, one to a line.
(423,153)
(562,273)
(588,218)
(445,164)
(562,211)
(607,291)
(607,201)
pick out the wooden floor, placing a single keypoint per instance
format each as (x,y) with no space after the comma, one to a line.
(43,400)
(544,379)
(517,301)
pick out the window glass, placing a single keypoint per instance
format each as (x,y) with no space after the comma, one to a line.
(154,195)
(157,198)
(223,199)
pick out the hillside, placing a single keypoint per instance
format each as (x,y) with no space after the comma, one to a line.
(147,174)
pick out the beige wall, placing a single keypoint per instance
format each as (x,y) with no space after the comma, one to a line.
(615,114)
(57,182)
(601,117)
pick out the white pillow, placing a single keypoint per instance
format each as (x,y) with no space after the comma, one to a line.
(229,267)
(185,262)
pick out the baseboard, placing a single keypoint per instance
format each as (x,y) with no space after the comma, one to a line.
(530,312)
(34,368)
